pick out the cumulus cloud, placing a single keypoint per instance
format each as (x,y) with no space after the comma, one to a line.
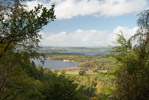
(120,7)
(126,31)
(85,38)
(65,9)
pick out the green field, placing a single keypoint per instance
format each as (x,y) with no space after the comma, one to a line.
(98,79)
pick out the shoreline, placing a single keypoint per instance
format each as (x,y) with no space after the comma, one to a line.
(66,69)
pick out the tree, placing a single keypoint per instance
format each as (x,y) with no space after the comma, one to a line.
(59,87)
(82,72)
(19,27)
(19,78)
(133,60)
(19,37)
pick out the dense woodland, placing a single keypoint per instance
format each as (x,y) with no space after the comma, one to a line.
(127,68)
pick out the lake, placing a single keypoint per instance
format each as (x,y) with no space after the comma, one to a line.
(56,64)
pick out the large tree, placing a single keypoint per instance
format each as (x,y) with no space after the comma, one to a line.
(19,37)
(133,59)
(19,26)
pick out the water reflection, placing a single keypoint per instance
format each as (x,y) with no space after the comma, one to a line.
(56,64)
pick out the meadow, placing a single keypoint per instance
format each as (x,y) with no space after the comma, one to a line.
(95,73)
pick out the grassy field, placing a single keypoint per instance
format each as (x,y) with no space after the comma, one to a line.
(98,78)
(102,74)
(94,82)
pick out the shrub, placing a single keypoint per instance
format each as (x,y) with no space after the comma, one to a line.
(82,72)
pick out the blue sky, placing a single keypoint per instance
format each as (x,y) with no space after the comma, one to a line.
(90,22)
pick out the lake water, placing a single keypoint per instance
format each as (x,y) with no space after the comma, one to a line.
(85,53)
(56,64)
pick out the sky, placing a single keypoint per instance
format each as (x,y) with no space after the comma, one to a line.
(90,23)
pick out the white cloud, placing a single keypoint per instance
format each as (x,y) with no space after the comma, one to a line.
(65,9)
(127,32)
(85,38)
(32,4)
(120,7)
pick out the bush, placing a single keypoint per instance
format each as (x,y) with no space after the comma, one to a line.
(82,72)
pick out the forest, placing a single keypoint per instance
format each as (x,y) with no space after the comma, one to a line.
(121,75)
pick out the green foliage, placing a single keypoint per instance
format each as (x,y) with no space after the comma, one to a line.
(18,85)
(133,60)
(20,79)
(38,84)
(82,72)
(58,87)
(94,86)
(18,44)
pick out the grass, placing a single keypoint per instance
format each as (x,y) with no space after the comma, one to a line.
(102,75)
